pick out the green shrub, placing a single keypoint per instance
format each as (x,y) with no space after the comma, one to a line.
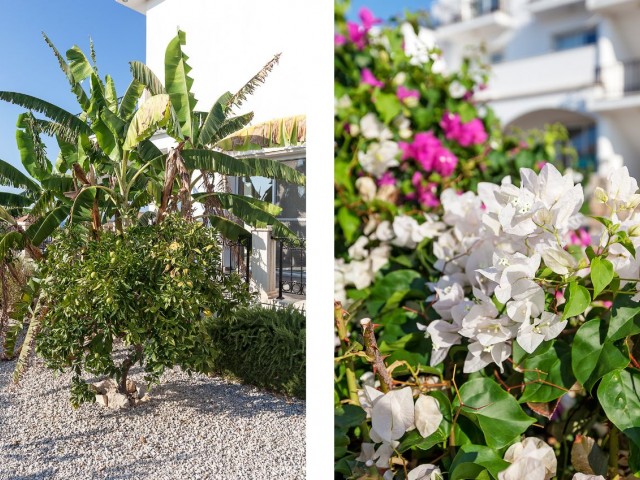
(264,347)
(154,289)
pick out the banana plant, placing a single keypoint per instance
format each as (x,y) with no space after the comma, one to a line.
(198,156)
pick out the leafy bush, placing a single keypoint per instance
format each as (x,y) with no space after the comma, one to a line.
(264,347)
(155,289)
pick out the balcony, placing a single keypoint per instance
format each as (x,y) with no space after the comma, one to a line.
(554,72)
(612,6)
(620,86)
(474,21)
(543,7)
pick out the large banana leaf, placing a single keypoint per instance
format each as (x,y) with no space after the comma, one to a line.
(254,212)
(178,83)
(224,164)
(130,99)
(52,111)
(82,205)
(146,77)
(31,148)
(255,81)
(231,125)
(213,121)
(58,183)
(98,101)
(10,241)
(12,177)
(8,199)
(110,94)
(227,228)
(280,132)
(47,225)
(78,64)
(154,113)
(6,216)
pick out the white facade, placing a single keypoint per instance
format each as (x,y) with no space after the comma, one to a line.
(576,62)
(228,42)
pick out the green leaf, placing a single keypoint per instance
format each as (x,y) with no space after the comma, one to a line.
(619,395)
(49,224)
(224,164)
(154,113)
(349,416)
(9,241)
(130,99)
(495,411)
(414,440)
(78,64)
(387,105)
(53,112)
(110,94)
(550,364)
(228,228)
(578,301)
(601,274)
(12,177)
(625,318)
(144,75)
(178,83)
(593,355)
(349,222)
(214,120)
(394,288)
(472,460)
(8,199)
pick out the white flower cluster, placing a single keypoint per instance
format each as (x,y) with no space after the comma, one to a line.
(532,459)
(392,415)
(494,247)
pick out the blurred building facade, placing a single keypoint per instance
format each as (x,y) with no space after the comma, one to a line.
(576,62)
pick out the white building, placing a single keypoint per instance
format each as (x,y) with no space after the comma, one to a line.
(228,42)
(576,62)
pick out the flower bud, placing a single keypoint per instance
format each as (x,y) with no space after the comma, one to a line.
(600,195)
(366,188)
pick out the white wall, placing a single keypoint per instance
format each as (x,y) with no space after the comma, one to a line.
(228,41)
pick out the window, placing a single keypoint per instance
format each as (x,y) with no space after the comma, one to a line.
(496,57)
(565,41)
(583,139)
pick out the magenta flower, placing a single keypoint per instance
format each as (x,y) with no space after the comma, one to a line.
(446,162)
(339,40)
(357,35)
(367,77)
(387,179)
(580,237)
(406,94)
(367,18)
(466,134)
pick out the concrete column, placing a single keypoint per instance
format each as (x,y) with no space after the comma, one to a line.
(263,263)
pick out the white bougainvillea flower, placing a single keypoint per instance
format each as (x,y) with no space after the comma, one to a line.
(358,273)
(528,301)
(384,453)
(456,89)
(403,126)
(480,356)
(559,260)
(428,416)
(448,297)
(535,449)
(532,334)
(443,336)
(525,469)
(379,157)
(392,414)
(425,472)
(388,475)
(366,188)
(508,269)
(384,231)
(379,257)
(462,211)
(620,191)
(585,476)
(367,452)
(358,250)
(408,232)
(373,129)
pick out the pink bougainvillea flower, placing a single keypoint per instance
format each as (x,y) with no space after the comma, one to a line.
(404,93)
(367,77)
(580,237)
(357,35)
(466,134)
(367,18)
(387,179)
(540,164)
(428,196)
(339,40)
(607,304)
(446,162)
(424,149)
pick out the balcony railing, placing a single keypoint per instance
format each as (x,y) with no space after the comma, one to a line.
(471,9)
(621,78)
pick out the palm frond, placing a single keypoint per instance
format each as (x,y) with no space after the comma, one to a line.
(257,80)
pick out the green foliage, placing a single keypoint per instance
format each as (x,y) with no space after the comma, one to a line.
(155,289)
(264,347)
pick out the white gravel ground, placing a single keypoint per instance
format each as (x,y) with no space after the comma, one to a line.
(192,428)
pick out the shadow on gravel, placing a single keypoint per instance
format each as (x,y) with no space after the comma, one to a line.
(43,475)
(216,398)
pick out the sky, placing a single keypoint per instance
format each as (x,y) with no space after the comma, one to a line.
(387,8)
(29,66)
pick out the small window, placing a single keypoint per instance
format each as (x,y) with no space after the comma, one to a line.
(566,41)
(496,57)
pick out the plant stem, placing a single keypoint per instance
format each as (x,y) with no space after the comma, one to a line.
(341,324)
(380,369)
(613,452)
